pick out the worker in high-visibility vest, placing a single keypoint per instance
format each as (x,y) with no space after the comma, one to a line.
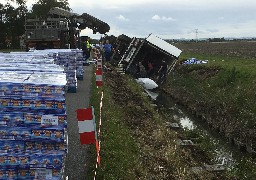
(88,45)
(86,49)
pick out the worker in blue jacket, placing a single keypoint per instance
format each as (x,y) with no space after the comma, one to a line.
(108,48)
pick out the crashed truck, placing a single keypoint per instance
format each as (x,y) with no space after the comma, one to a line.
(60,30)
(152,48)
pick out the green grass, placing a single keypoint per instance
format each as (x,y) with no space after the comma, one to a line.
(234,87)
(228,95)
(243,64)
(119,151)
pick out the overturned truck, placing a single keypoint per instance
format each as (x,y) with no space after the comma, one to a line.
(152,50)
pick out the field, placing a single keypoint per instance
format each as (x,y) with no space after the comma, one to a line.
(236,49)
(241,55)
(223,90)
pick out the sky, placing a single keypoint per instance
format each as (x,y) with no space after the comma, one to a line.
(171,19)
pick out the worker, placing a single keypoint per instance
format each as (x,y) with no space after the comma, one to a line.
(101,48)
(163,71)
(108,48)
(86,49)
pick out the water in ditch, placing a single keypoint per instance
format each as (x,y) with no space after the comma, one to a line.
(224,153)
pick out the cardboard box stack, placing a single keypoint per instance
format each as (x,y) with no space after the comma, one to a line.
(33,119)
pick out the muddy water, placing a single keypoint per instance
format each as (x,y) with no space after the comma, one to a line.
(224,152)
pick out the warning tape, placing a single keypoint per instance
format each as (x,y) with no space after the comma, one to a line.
(98,142)
(99,82)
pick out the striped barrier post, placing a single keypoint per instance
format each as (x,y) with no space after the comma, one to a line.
(99,78)
(99,63)
(86,125)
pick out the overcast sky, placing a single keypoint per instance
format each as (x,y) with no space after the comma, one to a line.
(170,19)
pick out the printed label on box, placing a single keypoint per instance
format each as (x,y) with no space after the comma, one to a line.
(49,120)
(43,174)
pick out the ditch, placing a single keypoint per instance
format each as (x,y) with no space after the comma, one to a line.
(223,152)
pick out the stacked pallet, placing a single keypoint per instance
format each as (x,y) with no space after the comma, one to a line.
(33,120)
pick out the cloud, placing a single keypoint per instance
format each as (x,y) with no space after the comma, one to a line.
(212,18)
(122,18)
(156,17)
(163,18)
(212,30)
(168,18)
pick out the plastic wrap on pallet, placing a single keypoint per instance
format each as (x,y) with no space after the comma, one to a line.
(68,60)
(25,57)
(47,78)
(79,72)
(79,64)
(31,67)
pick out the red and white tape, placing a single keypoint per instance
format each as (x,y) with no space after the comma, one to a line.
(98,142)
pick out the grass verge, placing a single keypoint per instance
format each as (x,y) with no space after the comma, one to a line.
(119,151)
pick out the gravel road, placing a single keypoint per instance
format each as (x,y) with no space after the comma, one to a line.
(77,156)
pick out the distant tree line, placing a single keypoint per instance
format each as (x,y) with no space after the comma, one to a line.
(216,39)
(210,40)
(13,14)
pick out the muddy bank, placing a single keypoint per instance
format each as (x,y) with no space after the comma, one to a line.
(216,106)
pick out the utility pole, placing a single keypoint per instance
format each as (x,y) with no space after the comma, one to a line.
(196,30)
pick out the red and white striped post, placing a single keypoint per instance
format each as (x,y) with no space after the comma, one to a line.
(86,125)
(99,79)
(99,63)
